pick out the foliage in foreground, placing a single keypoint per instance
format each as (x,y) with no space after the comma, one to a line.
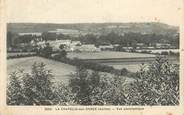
(159,85)
(36,88)
(156,85)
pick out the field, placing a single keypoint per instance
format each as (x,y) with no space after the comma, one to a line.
(118,60)
(159,50)
(61,71)
(107,55)
(132,67)
(20,53)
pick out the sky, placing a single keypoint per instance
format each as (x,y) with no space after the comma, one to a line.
(94,11)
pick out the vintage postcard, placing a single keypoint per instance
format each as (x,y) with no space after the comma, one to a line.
(91,57)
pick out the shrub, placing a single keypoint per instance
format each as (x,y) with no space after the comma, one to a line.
(164,53)
(124,71)
(46,51)
(82,85)
(36,88)
(15,90)
(95,89)
(61,55)
(63,94)
(159,85)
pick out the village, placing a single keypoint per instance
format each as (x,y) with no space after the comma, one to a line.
(71,45)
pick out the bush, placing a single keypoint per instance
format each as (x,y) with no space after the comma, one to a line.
(15,90)
(94,89)
(81,86)
(61,55)
(46,51)
(145,51)
(124,71)
(164,53)
(36,88)
(173,53)
(159,85)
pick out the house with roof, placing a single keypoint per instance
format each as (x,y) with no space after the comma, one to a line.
(30,33)
(85,48)
(106,47)
(162,45)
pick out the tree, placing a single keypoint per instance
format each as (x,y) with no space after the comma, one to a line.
(62,46)
(15,90)
(38,86)
(62,53)
(95,89)
(11,39)
(80,86)
(159,85)
(49,36)
(90,39)
(46,51)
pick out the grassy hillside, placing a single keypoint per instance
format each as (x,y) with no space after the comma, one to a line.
(101,28)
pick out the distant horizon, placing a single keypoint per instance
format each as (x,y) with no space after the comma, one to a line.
(91,23)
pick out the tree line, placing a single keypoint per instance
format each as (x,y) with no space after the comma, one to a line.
(127,39)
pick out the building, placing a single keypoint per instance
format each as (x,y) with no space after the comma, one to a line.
(32,33)
(162,45)
(55,44)
(106,47)
(140,44)
(41,44)
(75,43)
(86,48)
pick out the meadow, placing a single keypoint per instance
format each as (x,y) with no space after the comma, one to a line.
(107,55)
(60,70)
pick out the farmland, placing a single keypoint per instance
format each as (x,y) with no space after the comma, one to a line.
(20,54)
(108,55)
(159,50)
(61,71)
(133,67)
(119,60)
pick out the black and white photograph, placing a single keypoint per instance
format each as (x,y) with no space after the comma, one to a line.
(104,53)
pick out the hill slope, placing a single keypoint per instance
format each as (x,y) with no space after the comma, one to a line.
(100,28)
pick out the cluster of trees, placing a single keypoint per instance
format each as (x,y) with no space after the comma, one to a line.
(14,38)
(157,85)
(36,88)
(45,51)
(128,39)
